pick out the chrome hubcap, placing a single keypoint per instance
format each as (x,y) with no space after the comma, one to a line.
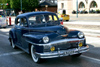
(34,57)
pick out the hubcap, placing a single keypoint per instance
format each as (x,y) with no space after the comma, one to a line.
(34,57)
(12,43)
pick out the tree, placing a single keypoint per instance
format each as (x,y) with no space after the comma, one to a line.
(7,6)
(27,5)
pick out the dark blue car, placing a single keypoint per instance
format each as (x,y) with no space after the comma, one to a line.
(41,35)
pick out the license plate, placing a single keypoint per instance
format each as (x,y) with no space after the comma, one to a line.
(69,52)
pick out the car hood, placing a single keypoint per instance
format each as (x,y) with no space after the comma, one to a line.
(53,32)
(50,29)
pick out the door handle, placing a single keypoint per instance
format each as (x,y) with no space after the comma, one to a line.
(17,28)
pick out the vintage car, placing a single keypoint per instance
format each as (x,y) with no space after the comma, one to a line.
(42,36)
(3,19)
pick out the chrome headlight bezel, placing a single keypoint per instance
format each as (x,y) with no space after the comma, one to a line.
(80,34)
(45,39)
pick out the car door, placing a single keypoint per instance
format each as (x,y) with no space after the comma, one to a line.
(20,29)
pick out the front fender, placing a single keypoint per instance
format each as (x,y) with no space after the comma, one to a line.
(38,37)
(73,34)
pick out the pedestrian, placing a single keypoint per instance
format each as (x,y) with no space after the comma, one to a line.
(20,12)
(36,9)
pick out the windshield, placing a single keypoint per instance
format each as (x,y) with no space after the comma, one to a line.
(43,19)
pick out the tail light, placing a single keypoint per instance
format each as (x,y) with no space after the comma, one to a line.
(62,16)
(61,22)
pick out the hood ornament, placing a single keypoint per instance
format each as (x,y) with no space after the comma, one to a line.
(64,35)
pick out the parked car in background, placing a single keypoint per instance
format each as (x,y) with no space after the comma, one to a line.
(41,35)
(65,17)
(3,19)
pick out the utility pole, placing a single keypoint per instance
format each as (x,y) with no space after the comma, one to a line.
(21,4)
(77,8)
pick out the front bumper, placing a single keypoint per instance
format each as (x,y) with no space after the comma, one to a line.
(61,53)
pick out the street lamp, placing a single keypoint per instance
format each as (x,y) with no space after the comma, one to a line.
(21,4)
(77,8)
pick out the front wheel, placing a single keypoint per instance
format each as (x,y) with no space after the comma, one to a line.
(67,20)
(35,58)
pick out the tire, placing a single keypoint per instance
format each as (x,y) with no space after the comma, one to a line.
(12,44)
(6,25)
(67,20)
(34,57)
(77,55)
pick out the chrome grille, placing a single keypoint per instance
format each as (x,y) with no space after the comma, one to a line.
(65,45)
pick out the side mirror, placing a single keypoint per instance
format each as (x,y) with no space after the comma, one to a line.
(61,21)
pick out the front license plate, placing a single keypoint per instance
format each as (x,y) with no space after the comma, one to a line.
(69,52)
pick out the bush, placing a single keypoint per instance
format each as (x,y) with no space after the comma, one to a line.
(73,12)
(97,11)
(83,12)
(92,11)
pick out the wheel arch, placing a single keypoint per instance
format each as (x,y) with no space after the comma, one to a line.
(11,35)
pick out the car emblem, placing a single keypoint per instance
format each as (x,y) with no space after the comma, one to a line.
(65,35)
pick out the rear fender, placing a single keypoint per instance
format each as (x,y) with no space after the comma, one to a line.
(12,35)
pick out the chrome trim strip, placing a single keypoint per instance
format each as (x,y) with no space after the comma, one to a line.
(62,41)
(62,53)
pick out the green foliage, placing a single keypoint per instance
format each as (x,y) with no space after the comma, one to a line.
(27,5)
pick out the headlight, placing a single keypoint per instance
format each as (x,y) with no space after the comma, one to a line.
(80,35)
(45,39)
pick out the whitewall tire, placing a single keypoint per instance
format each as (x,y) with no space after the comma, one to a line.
(34,56)
(12,44)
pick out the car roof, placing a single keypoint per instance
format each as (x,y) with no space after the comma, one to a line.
(34,13)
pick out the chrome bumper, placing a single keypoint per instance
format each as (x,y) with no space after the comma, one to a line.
(62,53)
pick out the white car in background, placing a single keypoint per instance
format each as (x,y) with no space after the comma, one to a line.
(3,19)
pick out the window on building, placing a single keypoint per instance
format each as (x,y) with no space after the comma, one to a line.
(81,5)
(62,5)
(93,4)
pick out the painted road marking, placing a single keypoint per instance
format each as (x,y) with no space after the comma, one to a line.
(11,53)
(98,60)
(19,52)
(4,35)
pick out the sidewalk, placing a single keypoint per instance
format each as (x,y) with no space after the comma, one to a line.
(85,17)
(89,28)
(83,25)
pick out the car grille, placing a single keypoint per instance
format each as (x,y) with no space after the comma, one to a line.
(65,45)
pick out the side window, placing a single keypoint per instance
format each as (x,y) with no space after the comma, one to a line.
(35,20)
(32,20)
(55,18)
(17,21)
(23,22)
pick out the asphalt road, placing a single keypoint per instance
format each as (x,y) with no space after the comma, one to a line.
(10,57)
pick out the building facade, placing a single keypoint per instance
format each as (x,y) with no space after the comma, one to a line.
(48,5)
(83,5)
